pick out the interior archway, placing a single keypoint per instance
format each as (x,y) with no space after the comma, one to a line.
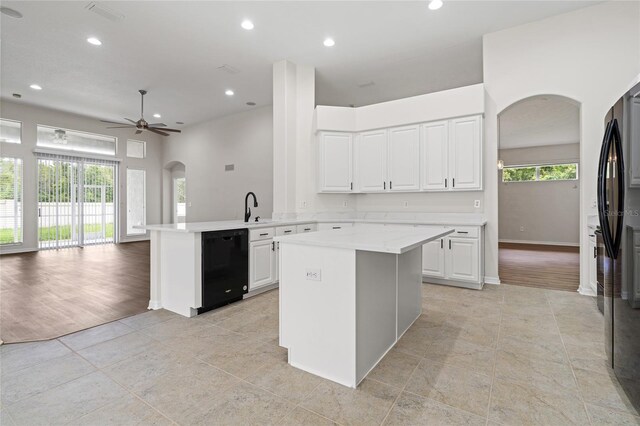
(174,195)
(539,192)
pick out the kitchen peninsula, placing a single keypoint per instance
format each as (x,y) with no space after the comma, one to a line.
(347,296)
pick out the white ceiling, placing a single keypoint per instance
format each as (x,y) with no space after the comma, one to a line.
(540,121)
(173,50)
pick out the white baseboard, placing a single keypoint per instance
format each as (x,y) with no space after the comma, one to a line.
(544,243)
(492,280)
(17,249)
(588,291)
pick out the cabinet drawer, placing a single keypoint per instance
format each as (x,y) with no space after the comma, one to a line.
(260,234)
(307,227)
(465,232)
(285,230)
(330,226)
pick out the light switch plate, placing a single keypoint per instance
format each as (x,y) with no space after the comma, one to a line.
(314,274)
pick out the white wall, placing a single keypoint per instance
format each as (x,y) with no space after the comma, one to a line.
(30,116)
(245,140)
(591,55)
(548,212)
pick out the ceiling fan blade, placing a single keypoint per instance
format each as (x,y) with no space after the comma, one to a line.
(134,122)
(166,129)
(113,122)
(158,132)
(157,125)
(128,126)
(138,131)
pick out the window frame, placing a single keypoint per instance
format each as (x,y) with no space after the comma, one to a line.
(144,149)
(78,153)
(537,167)
(21,128)
(21,192)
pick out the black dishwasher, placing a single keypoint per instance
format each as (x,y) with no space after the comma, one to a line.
(225,267)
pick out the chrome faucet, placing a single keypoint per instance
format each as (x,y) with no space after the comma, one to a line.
(247,209)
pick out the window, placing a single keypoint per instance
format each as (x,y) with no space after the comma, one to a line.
(10,200)
(136,149)
(136,201)
(71,140)
(536,173)
(180,199)
(10,131)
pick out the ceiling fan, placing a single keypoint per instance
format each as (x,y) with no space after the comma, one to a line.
(140,125)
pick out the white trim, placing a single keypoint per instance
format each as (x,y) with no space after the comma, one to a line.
(14,248)
(492,280)
(588,291)
(76,154)
(544,243)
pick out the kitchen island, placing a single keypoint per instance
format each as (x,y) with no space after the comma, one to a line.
(347,296)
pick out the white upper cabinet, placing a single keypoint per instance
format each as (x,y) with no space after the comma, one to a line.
(336,162)
(434,149)
(404,158)
(465,153)
(442,155)
(371,161)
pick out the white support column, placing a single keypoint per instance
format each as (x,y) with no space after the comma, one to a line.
(293,105)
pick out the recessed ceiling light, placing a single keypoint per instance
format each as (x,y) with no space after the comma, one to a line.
(10,12)
(36,87)
(229,92)
(247,24)
(329,42)
(94,41)
(435,4)
(156,115)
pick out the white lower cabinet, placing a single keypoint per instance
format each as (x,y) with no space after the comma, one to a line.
(463,261)
(262,263)
(456,259)
(433,259)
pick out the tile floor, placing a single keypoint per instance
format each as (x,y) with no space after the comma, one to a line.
(506,355)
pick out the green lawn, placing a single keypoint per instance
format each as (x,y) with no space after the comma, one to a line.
(48,234)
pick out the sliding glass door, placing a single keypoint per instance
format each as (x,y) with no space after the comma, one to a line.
(76,202)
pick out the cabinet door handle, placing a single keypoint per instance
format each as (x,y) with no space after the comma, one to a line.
(454,182)
(352,186)
(336,227)
(462,232)
(307,229)
(264,235)
(384,185)
(287,231)
(445,182)
(273,246)
(390,185)
(449,244)
(441,244)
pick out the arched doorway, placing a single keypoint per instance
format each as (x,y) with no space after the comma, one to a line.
(539,193)
(174,193)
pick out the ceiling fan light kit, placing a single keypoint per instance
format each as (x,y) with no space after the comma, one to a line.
(142,125)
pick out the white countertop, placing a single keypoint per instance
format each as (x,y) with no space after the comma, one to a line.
(392,239)
(238,224)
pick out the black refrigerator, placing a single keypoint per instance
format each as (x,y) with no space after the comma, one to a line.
(618,210)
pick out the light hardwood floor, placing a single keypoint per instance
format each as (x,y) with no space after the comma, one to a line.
(541,266)
(51,293)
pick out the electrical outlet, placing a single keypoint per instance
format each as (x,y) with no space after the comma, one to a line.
(303,204)
(405,204)
(345,204)
(314,274)
(594,203)
(476,204)
(522,229)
